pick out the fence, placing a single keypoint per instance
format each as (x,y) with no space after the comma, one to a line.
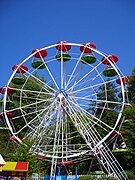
(68,177)
(54,178)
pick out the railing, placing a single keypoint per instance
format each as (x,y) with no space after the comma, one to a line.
(73,177)
(54,178)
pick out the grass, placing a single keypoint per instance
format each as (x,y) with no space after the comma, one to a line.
(94,178)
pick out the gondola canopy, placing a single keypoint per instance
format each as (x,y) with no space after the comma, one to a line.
(63,46)
(86,48)
(112,58)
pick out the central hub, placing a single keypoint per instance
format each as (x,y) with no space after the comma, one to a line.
(61,96)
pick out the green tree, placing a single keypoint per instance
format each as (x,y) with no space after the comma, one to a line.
(22,153)
(131,87)
(129,113)
(24,95)
(104,108)
(128,126)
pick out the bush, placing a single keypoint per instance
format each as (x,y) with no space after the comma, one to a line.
(87,178)
(93,178)
(130,174)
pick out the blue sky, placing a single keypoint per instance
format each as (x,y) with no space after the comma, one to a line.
(29,24)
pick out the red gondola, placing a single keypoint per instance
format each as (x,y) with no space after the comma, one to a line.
(86,47)
(10,90)
(40,53)
(14,139)
(124,79)
(65,163)
(21,69)
(39,157)
(63,46)
(112,58)
(92,154)
(122,133)
(118,133)
(9,115)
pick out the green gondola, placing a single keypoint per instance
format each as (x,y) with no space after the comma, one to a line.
(9,103)
(109,72)
(38,64)
(4,128)
(66,57)
(119,150)
(1,102)
(18,80)
(90,59)
(126,121)
(97,173)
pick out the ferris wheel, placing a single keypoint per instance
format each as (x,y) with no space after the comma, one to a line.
(58,97)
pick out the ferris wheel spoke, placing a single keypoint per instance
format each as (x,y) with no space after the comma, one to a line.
(30,113)
(82,78)
(25,115)
(51,59)
(49,72)
(90,127)
(62,71)
(27,125)
(55,142)
(25,97)
(96,106)
(78,61)
(91,80)
(80,116)
(83,83)
(88,135)
(39,133)
(32,91)
(37,80)
(31,104)
(87,94)
(33,120)
(73,79)
(93,137)
(91,86)
(50,113)
(90,115)
(104,82)
(75,120)
(96,100)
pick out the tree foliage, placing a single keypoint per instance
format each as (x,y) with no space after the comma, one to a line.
(22,153)
(129,114)
(12,152)
(131,87)
(128,158)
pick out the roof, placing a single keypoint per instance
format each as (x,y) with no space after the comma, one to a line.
(15,166)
